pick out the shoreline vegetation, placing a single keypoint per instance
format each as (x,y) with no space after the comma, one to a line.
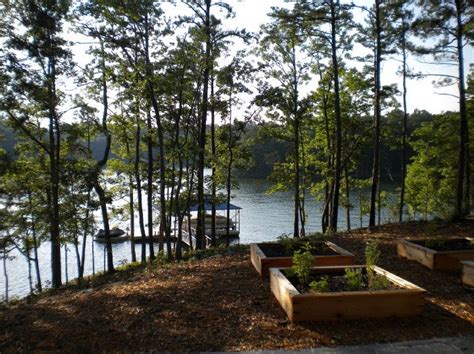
(147,307)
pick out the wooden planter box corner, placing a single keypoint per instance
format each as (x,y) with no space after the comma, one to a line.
(262,263)
(407,301)
(436,260)
(468,273)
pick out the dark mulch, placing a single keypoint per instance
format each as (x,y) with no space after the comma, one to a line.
(440,245)
(278,250)
(221,304)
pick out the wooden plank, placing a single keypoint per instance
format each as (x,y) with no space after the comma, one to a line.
(408,301)
(262,263)
(397,280)
(357,305)
(416,252)
(338,249)
(452,261)
(256,256)
(437,260)
(283,290)
(468,273)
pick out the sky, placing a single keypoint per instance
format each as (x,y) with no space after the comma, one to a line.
(422,95)
(251,14)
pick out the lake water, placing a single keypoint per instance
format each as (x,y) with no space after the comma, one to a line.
(263,217)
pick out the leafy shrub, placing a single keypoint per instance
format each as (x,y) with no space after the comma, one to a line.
(302,263)
(354,278)
(320,286)
(378,282)
(372,255)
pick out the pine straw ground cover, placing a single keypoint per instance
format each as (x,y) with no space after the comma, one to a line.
(220,303)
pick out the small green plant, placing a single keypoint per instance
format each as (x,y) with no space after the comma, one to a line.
(378,282)
(302,263)
(354,278)
(320,286)
(372,255)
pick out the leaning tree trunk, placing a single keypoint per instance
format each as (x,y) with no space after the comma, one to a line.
(102,163)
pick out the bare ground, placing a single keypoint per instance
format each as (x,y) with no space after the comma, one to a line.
(221,304)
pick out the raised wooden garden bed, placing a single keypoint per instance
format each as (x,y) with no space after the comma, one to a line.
(267,255)
(438,254)
(468,273)
(406,300)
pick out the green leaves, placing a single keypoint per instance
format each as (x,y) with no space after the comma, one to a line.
(431,177)
(302,263)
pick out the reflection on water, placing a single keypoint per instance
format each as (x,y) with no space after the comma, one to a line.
(263,218)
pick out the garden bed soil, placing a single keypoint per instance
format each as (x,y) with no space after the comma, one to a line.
(219,304)
(273,255)
(404,299)
(438,253)
(336,279)
(279,250)
(444,245)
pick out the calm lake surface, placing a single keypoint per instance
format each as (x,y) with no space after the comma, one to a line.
(263,217)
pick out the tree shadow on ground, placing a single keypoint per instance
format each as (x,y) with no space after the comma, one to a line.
(222,304)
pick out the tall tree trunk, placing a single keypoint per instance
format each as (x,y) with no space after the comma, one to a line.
(462,200)
(37,267)
(105,219)
(139,190)
(229,169)
(150,186)
(296,148)
(35,247)
(338,125)
(132,219)
(88,205)
(376,161)
(348,208)
(303,189)
(329,161)
(228,190)
(102,163)
(5,272)
(296,157)
(54,147)
(30,274)
(200,232)
(213,151)
(66,270)
(405,124)
(85,231)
